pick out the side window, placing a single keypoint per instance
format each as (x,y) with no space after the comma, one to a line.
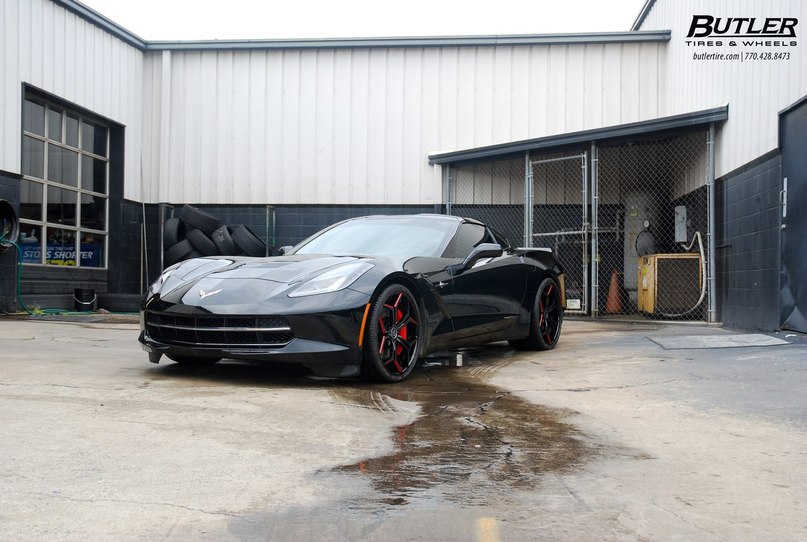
(468,236)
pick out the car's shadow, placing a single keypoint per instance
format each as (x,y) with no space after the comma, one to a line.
(236,372)
(481,359)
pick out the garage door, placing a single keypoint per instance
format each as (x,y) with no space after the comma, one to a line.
(793,134)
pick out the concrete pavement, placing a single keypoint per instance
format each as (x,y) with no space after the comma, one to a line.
(608,437)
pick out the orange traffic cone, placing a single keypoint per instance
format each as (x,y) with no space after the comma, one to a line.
(613,304)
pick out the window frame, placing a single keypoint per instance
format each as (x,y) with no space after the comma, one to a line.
(49,186)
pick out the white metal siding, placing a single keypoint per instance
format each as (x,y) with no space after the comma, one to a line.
(50,48)
(755,90)
(355,126)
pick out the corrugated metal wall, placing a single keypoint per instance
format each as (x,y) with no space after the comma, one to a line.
(355,126)
(756,90)
(52,49)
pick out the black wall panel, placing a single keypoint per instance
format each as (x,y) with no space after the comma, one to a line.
(747,245)
(9,191)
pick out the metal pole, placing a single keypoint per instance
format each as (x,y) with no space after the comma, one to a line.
(527,200)
(145,243)
(160,226)
(710,235)
(270,241)
(584,164)
(595,200)
(448,188)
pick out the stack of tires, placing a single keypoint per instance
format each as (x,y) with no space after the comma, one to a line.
(196,234)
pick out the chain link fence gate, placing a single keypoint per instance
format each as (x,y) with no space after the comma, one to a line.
(651,228)
(559,213)
(628,221)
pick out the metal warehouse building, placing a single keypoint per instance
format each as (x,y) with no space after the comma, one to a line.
(671,185)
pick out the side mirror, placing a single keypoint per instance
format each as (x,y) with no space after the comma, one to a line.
(483,250)
(284,249)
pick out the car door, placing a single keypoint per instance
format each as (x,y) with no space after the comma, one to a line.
(433,289)
(485,300)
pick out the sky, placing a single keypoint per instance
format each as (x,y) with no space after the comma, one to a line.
(156,20)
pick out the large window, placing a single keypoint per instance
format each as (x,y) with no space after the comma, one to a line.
(64,191)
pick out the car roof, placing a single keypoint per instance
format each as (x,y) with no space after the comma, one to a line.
(429,216)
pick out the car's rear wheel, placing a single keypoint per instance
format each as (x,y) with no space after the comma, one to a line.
(546,320)
(192,361)
(392,336)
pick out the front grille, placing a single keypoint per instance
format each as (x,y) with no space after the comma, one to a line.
(218,331)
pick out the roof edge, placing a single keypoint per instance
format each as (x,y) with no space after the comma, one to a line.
(648,5)
(706,116)
(416,41)
(105,24)
(102,22)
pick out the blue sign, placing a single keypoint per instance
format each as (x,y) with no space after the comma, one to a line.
(57,254)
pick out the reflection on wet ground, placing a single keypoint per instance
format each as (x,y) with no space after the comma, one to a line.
(471,442)
(468,443)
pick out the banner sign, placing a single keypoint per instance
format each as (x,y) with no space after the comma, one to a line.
(56,254)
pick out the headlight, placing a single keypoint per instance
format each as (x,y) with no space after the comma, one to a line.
(334,280)
(157,285)
(174,277)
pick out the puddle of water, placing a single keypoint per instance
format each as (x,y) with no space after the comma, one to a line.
(472,443)
(469,444)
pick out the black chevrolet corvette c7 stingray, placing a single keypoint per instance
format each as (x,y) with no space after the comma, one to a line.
(367,296)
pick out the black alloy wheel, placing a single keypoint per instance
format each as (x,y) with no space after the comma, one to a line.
(392,336)
(546,321)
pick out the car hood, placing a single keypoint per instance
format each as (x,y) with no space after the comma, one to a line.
(239,281)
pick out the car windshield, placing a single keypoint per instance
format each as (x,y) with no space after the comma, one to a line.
(398,236)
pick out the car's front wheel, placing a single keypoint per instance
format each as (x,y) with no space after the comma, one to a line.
(546,319)
(392,336)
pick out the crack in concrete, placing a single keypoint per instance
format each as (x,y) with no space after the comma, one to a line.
(621,387)
(687,521)
(131,501)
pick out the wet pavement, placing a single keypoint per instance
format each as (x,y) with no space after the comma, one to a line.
(471,443)
(608,437)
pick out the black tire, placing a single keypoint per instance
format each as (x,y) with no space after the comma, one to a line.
(546,321)
(194,254)
(248,242)
(392,336)
(199,219)
(201,242)
(173,232)
(224,242)
(192,361)
(177,253)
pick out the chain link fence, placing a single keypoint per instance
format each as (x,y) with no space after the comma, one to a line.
(628,221)
(492,192)
(652,225)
